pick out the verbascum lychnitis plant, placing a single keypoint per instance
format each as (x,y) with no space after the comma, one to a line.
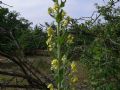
(59,42)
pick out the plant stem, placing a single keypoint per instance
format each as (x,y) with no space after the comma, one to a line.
(58,55)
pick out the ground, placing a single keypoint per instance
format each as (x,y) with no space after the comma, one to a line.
(43,64)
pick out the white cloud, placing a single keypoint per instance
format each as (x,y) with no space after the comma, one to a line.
(36,10)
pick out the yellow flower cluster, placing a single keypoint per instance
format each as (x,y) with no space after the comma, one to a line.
(70,39)
(56,7)
(50,31)
(65,22)
(54,64)
(53,9)
(49,42)
(59,64)
(50,86)
(73,67)
(50,46)
(72,76)
(74,79)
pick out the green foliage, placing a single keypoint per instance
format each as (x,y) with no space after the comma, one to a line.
(13,28)
(17,33)
(98,47)
(101,55)
(39,37)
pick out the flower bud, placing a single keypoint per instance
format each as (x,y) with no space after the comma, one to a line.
(50,86)
(50,31)
(74,79)
(73,67)
(50,10)
(54,64)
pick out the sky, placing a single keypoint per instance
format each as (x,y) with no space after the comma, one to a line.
(36,11)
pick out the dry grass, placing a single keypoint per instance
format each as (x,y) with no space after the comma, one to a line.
(43,64)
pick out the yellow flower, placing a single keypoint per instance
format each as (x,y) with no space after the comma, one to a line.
(55,7)
(73,67)
(50,86)
(48,41)
(50,31)
(54,64)
(50,44)
(74,79)
(64,58)
(70,39)
(63,13)
(50,48)
(65,22)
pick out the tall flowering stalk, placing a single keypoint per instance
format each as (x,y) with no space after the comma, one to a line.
(59,42)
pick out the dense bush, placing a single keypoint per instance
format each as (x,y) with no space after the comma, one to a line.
(15,32)
(101,55)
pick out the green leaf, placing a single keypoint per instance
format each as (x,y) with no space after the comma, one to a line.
(59,17)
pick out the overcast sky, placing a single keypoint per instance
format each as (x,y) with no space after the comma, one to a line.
(36,10)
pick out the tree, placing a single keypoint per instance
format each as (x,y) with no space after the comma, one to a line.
(14,33)
(101,55)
